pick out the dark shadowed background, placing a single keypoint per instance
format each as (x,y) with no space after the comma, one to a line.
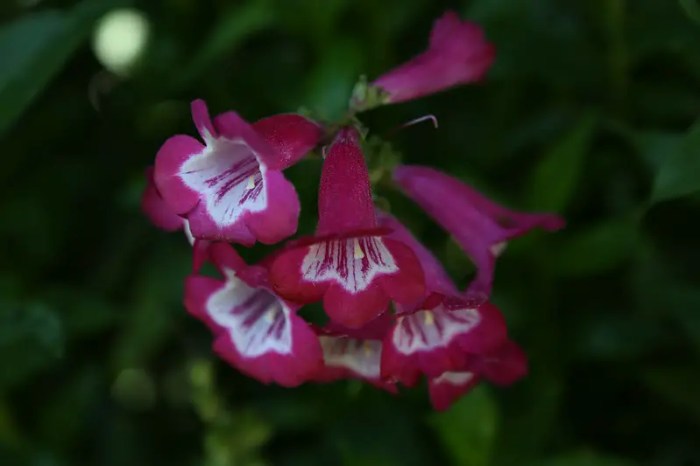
(590,111)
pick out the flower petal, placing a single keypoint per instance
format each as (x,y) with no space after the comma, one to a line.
(156,209)
(356,276)
(346,357)
(436,279)
(440,337)
(504,366)
(345,197)
(477,224)
(291,136)
(448,387)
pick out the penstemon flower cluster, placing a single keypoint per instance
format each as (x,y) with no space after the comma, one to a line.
(393,313)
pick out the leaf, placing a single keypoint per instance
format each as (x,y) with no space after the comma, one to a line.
(467,430)
(678,173)
(31,338)
(597,248)
(48,39)
(691,8)
(330,83)
(554,181)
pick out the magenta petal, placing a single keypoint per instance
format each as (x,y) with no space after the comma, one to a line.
(290,135)
(279,220)
(439,338)
(202,120)
(479,225)
(458,54)
(436,279)
(345,197)
(353,310)
(505,365)
(169,159)
(156,209)
(448,387)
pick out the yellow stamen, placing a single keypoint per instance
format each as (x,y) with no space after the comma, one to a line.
(251,183)
(270,316)
(357,250)
(428,318)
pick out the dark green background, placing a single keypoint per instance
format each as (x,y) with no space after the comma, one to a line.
(590,110)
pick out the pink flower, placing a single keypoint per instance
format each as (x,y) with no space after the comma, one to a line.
(480,226)
(457,54)
(231,187)
(441,332)
(348,263)
(256,331)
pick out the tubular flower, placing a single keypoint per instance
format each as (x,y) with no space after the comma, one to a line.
(442,331)
(255,330)
(231,187)
(480,226)
(457,54)
(348,263)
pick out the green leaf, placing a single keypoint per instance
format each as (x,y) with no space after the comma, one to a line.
(597,248)
(330,83)
(48,39)
(554,180)
(31,338)
(234,26)
(467,430)
(691,8)
(678,173)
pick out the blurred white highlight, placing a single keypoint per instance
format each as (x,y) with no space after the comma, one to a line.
(120,39)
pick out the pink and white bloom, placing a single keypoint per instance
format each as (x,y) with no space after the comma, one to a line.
(230,186)
(457,54)
(355,353)
(480,226)
(443,330)
(256,331)
(348,263)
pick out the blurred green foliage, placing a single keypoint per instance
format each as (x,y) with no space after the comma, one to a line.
(591,110)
